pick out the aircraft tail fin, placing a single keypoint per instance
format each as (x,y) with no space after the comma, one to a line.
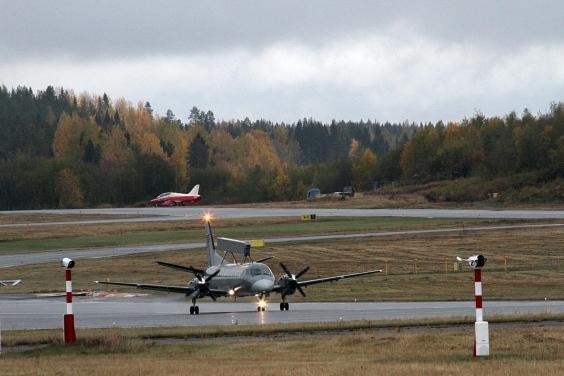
(194,191)
(213,258)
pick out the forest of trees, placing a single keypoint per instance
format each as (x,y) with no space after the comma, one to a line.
(61,149)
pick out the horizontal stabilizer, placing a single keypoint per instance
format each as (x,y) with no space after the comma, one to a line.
(13,282)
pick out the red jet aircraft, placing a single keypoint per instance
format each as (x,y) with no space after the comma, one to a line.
(173,199)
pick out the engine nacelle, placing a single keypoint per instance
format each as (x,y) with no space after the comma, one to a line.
(285,282)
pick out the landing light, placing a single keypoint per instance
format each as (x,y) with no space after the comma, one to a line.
(231,292)
(207,217)
(262,303)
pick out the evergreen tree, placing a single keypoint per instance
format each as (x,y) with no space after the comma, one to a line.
(198,153)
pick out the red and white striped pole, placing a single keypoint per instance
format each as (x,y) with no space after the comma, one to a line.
(481,336)
(68,319)
(478,289)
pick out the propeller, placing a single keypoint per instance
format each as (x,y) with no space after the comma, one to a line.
(293,279)
(203,282)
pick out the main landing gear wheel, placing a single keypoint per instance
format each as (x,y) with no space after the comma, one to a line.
(261,309)
(284,306)
(194,310)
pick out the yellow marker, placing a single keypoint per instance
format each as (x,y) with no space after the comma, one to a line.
(446,266)
(256,243)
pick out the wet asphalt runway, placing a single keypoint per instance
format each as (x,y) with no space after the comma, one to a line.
(30,312)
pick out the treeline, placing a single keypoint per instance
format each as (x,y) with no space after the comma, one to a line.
(62,149)
(488,147)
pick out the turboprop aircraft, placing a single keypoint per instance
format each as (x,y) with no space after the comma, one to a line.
(173,198)
(245,277)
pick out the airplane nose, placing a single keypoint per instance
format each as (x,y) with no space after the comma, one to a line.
(262,285)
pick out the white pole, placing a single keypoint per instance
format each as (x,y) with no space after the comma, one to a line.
(482,337)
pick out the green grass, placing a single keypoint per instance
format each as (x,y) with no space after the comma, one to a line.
(324,225)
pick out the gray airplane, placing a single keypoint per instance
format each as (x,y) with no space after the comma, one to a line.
(245,277)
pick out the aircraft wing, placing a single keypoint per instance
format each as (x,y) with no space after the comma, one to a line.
(177,289)
(335,278)
(179,267)
(278,288)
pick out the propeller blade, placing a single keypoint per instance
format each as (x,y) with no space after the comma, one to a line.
(300,290)
(264,259)
(302,272)
(195,271)
(286,270)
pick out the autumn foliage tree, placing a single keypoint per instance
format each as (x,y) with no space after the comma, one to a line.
(113,152)
(364,170)
(68,190)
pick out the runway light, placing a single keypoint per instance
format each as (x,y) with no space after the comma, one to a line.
(207,217)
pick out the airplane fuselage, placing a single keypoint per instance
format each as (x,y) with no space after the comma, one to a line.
(241,279)
(172,199)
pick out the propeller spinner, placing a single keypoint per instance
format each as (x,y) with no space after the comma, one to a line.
(203,281)
(292,280)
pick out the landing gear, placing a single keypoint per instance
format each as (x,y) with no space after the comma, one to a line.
(259,308)
(194,309)
(284,305)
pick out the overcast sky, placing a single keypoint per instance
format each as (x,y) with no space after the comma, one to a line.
(421,61)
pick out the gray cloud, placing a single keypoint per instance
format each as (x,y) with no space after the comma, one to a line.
(284,60)
(108,29)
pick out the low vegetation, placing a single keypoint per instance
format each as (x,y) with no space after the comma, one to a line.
(514,351)
(523,263)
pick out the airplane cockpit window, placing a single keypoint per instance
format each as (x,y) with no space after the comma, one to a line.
(266,271)
(164,194)
(255,272)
